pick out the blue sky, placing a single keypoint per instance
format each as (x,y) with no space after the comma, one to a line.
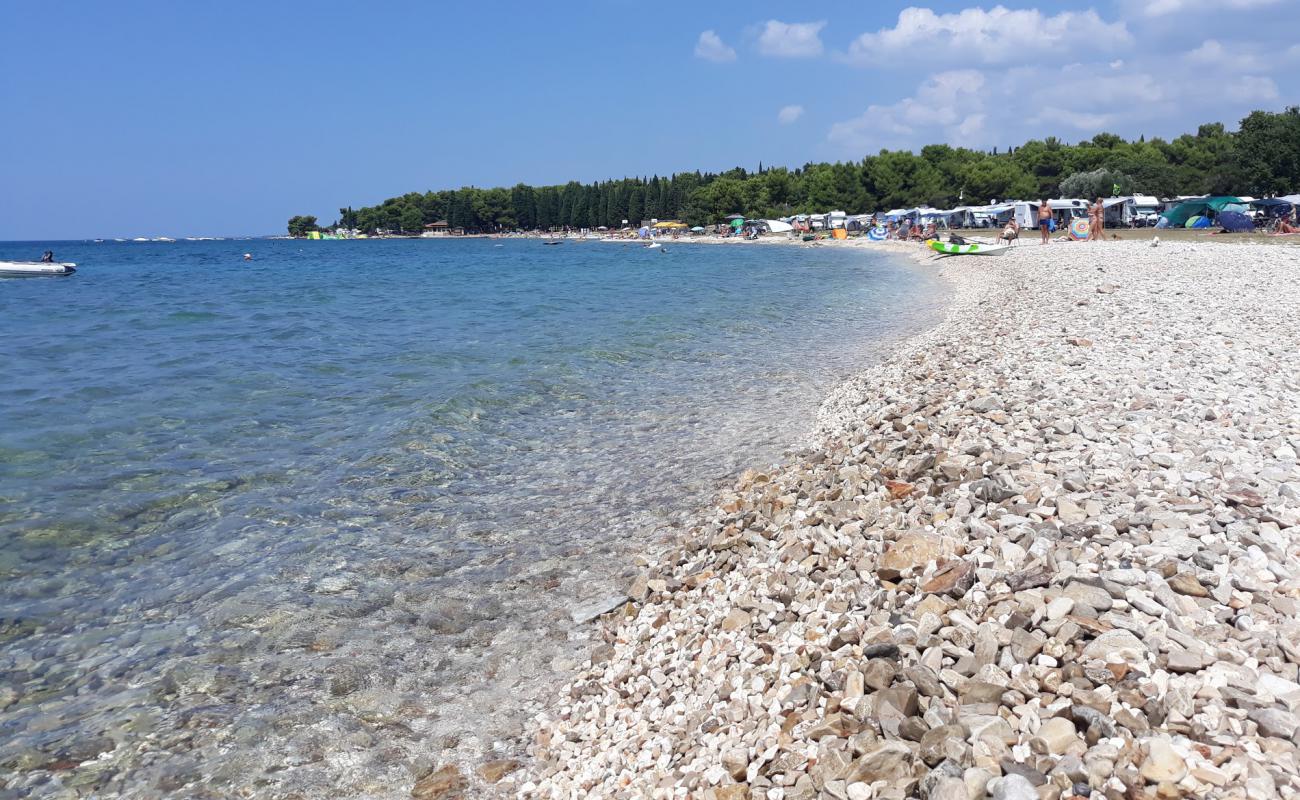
(179,118)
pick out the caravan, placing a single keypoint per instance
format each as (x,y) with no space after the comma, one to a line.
(1063,211)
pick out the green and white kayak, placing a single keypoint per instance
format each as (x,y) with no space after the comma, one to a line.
(971,249)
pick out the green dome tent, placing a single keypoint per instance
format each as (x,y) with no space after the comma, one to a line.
(1181,213)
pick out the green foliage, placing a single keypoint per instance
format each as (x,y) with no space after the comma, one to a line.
(1097,183)
(1263,158)
(1268,151)
(302,225)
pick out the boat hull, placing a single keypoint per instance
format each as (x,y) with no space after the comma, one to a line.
(34,269)
(972,249)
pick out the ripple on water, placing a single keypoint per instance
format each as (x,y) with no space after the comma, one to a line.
(285,529)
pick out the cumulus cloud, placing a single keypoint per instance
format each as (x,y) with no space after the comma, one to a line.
(710,47)
(953,106)
(791,39)
(945,105)
(789,114)
(995,36)
(1160,8)
(1236,57)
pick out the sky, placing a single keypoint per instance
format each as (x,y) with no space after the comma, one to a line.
(138,118)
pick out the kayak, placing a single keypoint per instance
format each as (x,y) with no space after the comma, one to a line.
(34,268)
(972,249)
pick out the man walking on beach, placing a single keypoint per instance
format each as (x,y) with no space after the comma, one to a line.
(1045,221)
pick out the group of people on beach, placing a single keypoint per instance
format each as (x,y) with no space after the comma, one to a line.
(1096,222)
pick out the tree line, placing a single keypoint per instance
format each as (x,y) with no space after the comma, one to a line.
(1261,158)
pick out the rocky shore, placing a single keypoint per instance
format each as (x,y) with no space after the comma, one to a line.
(1050,550)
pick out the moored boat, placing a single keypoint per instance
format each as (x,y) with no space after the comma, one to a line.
(20,269)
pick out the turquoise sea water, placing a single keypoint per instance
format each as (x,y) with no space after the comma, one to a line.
(319,519)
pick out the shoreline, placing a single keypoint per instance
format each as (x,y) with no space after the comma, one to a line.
(733,673)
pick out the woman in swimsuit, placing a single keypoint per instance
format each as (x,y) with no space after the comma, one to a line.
(1045,221)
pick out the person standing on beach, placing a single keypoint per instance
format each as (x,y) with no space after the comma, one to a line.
(1096,221)
(1045,221)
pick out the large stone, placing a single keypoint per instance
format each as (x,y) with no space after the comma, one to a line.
(442,784)
(976,692)
(949,788)
(1186,583)
(1118,643)
(493,771)
(912,551)
(735,761)
(935,743)
(878,673)
(954,578)
(1275,722)
(1084,594)
(1014,787)
(735,620)
(891,761)
(1162,763)
(1057,736)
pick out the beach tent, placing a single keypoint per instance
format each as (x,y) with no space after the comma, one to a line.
(1201,207)
(777,226)
(1235,222)
(1273,207)
(1197,221)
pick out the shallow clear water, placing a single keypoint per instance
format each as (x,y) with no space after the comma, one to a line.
(316,521)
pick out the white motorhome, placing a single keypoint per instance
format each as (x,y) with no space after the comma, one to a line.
(1063,209)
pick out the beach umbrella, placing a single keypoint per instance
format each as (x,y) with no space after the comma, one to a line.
(1079,229)
(1236,222)
(877,234)
(736,223)
(740,217)
(697,229)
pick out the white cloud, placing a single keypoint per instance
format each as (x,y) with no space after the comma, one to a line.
(998,35)
(946,105)
(1071,119)
(791,39)
(1072,101)
(789,114)
(1160,8)
(1237,57)
(710,47)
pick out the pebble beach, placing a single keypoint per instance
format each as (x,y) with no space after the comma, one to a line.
(1048,549)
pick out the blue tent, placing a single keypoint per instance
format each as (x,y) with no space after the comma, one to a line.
(1236,222)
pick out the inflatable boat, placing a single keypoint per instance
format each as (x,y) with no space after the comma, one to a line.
(34,268)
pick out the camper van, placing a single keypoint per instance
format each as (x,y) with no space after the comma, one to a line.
(836,219)
(1145,210)
(1063,209)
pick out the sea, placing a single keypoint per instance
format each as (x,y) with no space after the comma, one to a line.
(315,523)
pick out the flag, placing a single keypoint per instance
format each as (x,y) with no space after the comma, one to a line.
(1114,190)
